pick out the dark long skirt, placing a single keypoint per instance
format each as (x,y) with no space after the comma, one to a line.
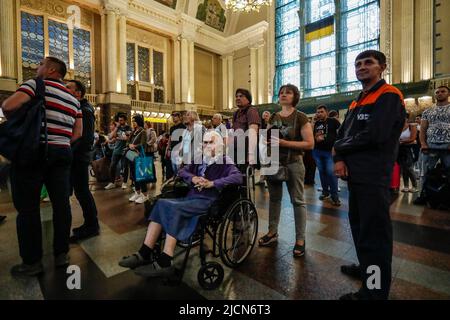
(179,217)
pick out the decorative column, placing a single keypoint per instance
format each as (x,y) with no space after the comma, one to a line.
(426,39)
(191,90)
(253,72)
(123,52)
(8,57)
(230,66)
(407,42)
(386,36)
(261,74)
(111,50)
(184,70)
(177,68)
(224,82)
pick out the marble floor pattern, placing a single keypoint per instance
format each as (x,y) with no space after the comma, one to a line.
(421,263)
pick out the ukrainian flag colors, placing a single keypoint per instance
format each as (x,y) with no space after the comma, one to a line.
(319,29)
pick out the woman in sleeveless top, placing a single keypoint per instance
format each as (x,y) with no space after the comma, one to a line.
(406,156)
(296,135)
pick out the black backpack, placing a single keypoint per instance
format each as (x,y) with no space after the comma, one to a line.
(20,134)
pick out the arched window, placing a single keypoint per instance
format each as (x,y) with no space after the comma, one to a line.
(317,41)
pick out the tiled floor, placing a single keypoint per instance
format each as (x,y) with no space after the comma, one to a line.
(421,264)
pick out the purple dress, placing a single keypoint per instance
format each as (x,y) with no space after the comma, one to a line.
(179,217)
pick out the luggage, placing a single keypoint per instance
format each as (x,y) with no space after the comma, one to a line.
(100,169)
(395,178)
(437,188)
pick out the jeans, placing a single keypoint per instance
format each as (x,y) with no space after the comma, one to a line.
(371,228)
(430,159)
(80,184)
(115,160)
(325,164)
(295,186)
(26,184)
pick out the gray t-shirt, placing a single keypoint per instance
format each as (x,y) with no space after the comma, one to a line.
(438,118)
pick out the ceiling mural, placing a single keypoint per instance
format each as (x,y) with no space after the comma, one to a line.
(169,3)
(212,14)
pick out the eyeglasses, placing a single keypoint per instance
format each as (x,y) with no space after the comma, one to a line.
(208,142)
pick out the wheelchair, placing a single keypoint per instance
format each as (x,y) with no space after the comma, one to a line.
(232,225)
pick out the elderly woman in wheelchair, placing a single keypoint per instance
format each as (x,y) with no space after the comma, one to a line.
(179,217)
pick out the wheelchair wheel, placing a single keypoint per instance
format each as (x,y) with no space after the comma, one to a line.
(210,276)
(237,233)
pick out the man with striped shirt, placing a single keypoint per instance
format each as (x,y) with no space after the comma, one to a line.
(64,126)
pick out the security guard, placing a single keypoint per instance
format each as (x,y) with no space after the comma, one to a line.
(364,154)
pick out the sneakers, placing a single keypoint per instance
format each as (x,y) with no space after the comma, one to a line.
(336,202)
(124,186)
(134,197)
(110,186)
(405,190)
(324,197)
(154,270)
(141,199)
(413,190)
(27,269)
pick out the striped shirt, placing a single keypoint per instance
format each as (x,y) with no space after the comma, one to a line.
(62,109)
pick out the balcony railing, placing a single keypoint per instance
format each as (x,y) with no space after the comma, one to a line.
(151,106)
(91,98)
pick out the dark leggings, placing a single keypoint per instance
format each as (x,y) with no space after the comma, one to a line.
(139,186)
(408,174)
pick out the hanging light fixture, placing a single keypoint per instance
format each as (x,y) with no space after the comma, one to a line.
(246,5)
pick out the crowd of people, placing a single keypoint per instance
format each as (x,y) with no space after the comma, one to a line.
(361,150)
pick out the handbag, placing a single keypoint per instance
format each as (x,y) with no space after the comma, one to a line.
(131,155)
(144,168)
(282,174)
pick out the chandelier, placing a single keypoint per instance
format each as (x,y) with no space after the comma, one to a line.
(246,5)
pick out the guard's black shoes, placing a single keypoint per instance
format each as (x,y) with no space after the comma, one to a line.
(352,270)
(83,233)
(28,270)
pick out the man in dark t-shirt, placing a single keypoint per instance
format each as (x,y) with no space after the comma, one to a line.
(245,119)
(325,132)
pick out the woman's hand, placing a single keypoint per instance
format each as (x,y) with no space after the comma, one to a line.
(206,184)
(279,142)
(197,180)
(132,146)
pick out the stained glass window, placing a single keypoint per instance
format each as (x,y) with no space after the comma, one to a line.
(82,56)
(32,43)
(287,44)
(325,65)
(144,64)
(131,65)
(58,34)
(158,68)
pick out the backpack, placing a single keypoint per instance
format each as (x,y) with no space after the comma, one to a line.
(20,134)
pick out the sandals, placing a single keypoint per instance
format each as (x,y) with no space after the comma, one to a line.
(267,240)
(299,250)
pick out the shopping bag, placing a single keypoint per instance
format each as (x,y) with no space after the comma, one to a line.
(144,168)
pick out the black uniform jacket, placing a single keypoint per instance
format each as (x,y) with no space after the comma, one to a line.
(368,139)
